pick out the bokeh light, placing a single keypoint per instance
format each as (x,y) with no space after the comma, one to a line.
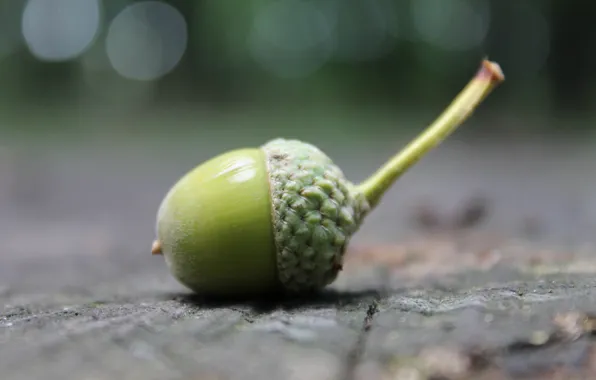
(451,25)
(294,38)
(146,40)
(364,30)
(60,30)
(291,38)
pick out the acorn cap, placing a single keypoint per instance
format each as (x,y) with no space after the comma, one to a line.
(315,212)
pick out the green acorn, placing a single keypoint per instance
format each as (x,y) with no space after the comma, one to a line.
(279,217)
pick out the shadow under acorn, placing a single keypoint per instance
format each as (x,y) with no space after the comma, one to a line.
(264,303)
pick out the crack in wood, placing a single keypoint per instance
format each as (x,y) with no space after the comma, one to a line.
(247,316)
(355,354)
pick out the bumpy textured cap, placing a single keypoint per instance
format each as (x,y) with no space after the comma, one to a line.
(316,210)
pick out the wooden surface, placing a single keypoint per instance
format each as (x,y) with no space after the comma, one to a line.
(493,279)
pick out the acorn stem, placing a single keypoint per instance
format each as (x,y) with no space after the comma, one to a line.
(486,79)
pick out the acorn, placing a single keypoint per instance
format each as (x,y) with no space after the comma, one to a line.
(279,217)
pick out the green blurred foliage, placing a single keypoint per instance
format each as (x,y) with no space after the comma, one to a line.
(544,46)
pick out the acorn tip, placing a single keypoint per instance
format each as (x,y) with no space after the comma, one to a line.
(156,248)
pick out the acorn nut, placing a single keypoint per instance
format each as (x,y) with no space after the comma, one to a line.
(279,217)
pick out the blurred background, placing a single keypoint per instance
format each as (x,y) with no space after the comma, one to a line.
(197,59)
(104,104)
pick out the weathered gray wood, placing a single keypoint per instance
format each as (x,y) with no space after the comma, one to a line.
(82,298)
(504,327)
(174,335)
